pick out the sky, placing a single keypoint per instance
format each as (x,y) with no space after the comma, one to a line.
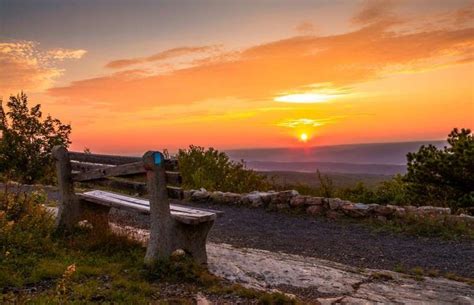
(131,76)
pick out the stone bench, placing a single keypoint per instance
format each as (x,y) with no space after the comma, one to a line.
(172,226)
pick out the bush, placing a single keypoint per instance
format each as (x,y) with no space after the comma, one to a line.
(25,235)
(213,170)
(27,141)
(444,176)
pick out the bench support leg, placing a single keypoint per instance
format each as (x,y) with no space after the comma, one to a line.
(192,239)
(160,243)
(69,210)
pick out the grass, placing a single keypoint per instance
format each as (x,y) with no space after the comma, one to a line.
(38,266)
(439,227)
(418,274)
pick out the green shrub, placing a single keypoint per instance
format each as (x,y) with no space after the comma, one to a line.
(444,176)
(214,171)
(27,140)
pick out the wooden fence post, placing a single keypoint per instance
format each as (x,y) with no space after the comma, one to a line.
(160,245)
(69,207)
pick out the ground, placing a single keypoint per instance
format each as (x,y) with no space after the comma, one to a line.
(320,259)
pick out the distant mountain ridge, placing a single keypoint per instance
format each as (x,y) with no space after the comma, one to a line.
(373,158)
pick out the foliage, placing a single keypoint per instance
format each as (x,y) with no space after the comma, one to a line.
(93,266)
(444,176)
(27,140)
(441,227)
(213,170)
(25,233)
(326,185)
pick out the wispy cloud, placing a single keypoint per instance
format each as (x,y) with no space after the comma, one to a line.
(375,11)
(264,71)
(26,67)
(167,54)
(62,54)
(305,122)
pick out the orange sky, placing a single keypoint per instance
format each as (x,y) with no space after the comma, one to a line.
(259,74)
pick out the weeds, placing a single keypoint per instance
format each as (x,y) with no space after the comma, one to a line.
(92,265)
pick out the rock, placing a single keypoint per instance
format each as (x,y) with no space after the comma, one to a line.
(314,201)
(178,253)
(298,201)
(355,209)
(433,211)
(231,198)
(216,197)
(398,211)
(280,199)
(409,209)
(314,210)
(331,214)
(384,210)
(335,203)
(202,300)
(200,195)
(266,197)
(253,199)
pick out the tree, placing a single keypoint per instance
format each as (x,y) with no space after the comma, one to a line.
(27,140)
(444,176)
(214,171)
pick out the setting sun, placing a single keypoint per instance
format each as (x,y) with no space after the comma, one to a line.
(304,137)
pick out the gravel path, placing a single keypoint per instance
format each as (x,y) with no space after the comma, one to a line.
(342,242)
(347,243)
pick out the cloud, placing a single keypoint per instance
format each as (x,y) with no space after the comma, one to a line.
(26,67)
(264,71)
(167,54)
(304,122)
(62,54)
(374,11)
(305,28)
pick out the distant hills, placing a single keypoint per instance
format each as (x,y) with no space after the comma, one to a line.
(374,158)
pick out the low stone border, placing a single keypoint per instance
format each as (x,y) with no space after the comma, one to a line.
(291,200)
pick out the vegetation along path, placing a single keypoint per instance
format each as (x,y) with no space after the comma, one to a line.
(344,242)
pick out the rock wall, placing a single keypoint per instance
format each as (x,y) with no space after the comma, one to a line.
(333,208)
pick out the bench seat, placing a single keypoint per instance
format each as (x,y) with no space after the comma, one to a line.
(181,213)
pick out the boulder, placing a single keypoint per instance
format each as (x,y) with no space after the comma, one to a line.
(355,209)
(433,211)
(298,201)
(200,195)
(217,197)
(314,201)
(282,198)
(398,210)
(267,197)
(314,210)
(253,199)
(231,198)
(384,210)
(335,203)
(331,214)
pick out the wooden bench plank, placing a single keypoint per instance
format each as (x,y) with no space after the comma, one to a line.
(144,202)
(119,170)
(184,214)
(170,164)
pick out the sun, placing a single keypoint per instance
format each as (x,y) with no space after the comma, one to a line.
(304,137)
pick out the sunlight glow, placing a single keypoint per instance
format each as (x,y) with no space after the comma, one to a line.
(304,137)
(304,98)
